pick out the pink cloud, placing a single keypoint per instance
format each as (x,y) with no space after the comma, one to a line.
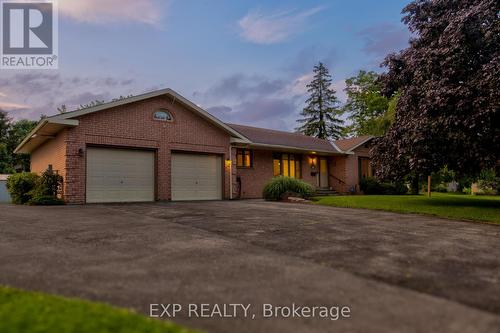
(111,11)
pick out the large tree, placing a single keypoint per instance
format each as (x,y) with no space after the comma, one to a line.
(17,132)
(321,114)
(11,134)
(366,107)
(448,78)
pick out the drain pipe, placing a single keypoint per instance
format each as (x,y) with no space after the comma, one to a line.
(230,175)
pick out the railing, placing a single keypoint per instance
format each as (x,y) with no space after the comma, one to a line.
(343,185)
(337,179)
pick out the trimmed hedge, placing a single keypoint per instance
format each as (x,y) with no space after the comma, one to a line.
(29,188)
(281,186)
(21,186)
(371,185)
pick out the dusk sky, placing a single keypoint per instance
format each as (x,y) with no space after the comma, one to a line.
(245,62)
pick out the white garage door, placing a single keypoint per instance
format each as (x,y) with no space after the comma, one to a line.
(196,177)
(119,175)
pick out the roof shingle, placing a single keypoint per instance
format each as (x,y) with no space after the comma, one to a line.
(346,144)
(281,138)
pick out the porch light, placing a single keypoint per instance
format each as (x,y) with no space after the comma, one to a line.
(313,161)
(228,163)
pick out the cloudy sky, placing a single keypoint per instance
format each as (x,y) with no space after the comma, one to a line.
(244,61)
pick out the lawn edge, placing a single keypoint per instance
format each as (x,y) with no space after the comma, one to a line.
(410,213)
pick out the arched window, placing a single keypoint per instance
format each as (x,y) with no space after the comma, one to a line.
(162,115)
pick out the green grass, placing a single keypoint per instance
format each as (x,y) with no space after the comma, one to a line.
(453,206)
(34,312)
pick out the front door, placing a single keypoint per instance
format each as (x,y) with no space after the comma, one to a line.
(323,172)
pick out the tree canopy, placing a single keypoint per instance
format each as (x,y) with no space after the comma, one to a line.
(11,134)
(366,107)
(321,114)
(448,79)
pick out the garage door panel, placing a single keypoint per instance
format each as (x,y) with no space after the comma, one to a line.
(196,177)
(119,175)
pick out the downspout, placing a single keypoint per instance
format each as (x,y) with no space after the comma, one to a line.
(230,174)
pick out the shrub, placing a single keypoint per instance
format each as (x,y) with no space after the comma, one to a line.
(29,188)
(48,184)
(441,188)
(45,200)
(45,191)
(371,185)
(280,186)
(21,185)
(486,187)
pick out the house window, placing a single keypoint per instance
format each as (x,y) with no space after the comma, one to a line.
(365,168)
(288,165)
(244,158)
(162,115)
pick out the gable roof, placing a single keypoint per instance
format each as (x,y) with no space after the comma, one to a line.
(166,92)
(350,144)
(50,126)
(279,139)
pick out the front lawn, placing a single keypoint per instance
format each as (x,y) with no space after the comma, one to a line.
(33,312)
(453,206)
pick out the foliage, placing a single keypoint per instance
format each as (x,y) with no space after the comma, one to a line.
(5,165)
(443,188)
(91,104)
(279,186)
(321,114)
(49,183)
(121,98)
(4,125)
(372,186)
(488,182)
(62,109)
(38,199)
(46,189)
(454,206)
(21,186)
(17,132)
(11,135)
(30,312)
(29,188)
(367,108)
(448,79)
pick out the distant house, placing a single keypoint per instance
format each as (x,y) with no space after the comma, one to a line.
(161,146)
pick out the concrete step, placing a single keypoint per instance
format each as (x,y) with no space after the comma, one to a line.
(326,192)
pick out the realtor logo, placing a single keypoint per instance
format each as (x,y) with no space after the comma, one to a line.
(29,34)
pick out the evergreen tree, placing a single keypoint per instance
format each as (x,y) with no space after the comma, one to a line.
(321,114)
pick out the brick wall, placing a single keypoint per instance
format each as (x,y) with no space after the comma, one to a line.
(337,168)
(132,125)
(352,167)
(254,179)
(53,152)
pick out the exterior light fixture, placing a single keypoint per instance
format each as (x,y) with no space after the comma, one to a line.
(228,163)
(80,152)
(313,161)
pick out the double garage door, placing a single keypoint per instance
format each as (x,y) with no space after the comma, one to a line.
(127,175)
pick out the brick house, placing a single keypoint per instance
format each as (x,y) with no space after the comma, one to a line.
(161,146)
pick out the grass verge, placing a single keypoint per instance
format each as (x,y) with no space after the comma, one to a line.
(34,312)
(453,206)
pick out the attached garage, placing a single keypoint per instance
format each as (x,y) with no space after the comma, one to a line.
(196,177)
(120,175)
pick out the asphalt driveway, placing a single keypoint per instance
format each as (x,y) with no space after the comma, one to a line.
(395,272)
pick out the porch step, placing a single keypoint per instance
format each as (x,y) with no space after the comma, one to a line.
(325,192)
